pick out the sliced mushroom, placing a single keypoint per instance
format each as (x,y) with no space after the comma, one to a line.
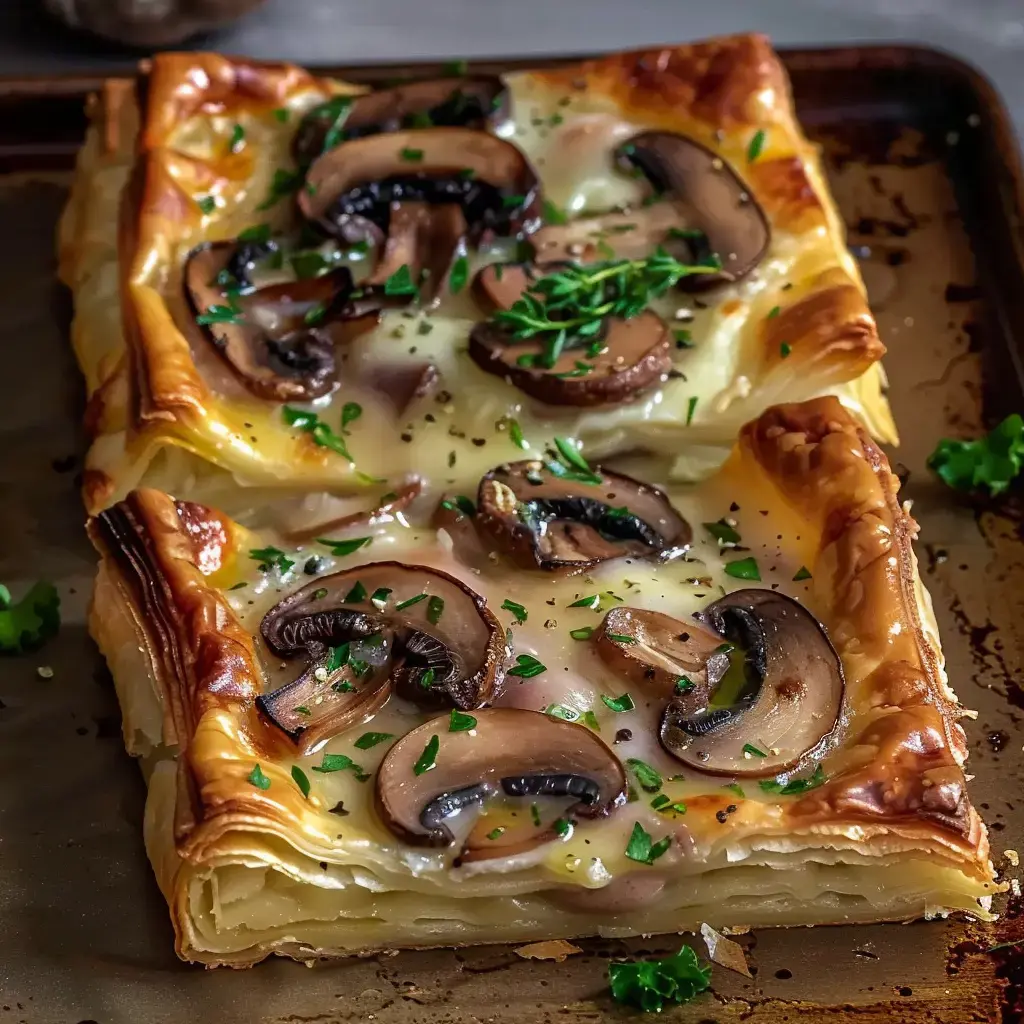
(779,700)
(718,215)
(270,341)
(661,653)
(510,751)
(544,518)
(619,362)
(352,192)
(442,103)
(424,632)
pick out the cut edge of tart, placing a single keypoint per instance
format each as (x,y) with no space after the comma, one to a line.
(863,817)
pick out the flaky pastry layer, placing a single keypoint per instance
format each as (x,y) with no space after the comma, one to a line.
(165,412)
(890,834)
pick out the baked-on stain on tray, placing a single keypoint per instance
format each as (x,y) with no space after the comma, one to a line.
(924,167)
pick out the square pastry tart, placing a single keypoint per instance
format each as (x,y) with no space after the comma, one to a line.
(287,287)
(563,699)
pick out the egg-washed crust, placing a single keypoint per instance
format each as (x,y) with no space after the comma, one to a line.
(895,779)
(161,387)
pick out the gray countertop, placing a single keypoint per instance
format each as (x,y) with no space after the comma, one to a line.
(987,33)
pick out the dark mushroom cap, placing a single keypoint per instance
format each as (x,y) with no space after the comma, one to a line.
(512,751)
(661,653)
(441,102)
(711,198)
(422,631)
(625,358)
(547,521)
(785,690)
(269,345)
(351,189)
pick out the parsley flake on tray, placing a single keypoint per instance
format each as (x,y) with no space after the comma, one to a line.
(990,463)
(26,624)
(651,985)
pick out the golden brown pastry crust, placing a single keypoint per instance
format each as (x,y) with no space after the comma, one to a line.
(165,388)
(895,768)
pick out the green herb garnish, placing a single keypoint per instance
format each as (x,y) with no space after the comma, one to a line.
(562,712)
(350,412)
(459,722)
(735,787)
(459,275)
(794,785)
(207,204)
(591,601)
(271,558)
(526,667)
(411,156)
(402,605)
(743,569)
(648,777)
(784,349)
(456,68)
(379,598)
(427,679)
(340,548)
(257,778)
(515,433)
(623,703)
(496,833)
(516,609)
(217,314)
(723,532)
(641,849)
(281,114)
(582,633)
(428,759)
(553,214)
(749,748)
(237,140)
(322,434)
(691,407)
(401,282)
(803,573)
(651,985)
(756,145)
(989,463)
(435,609)
(621,638)
(684,684)
(371,739)
(26,624)
(562,827)
(283,184)
(773,312)
(356,594)
(301,780)
(337,763)
(459,503)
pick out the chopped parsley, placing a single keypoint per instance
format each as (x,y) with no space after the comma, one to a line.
(651,985)
(621,638)
(649,778)
(301,709)
(582,633)
(803,573)
(553,214)
(301,780)
(735,787)
(691,407)
(371,739)
(570,465)
(336,109)
(496,833)
(527,667)
(428,759)
(26,624)
(515,433)
(321,432)
(590,721)
(641,849)
(271,558)
(460,722)
(562,827)
(684,339)
(723,532)
(356,594)
(207,204)
(237,141)
(315,315)
(459,275)
(350,412)
(591,601)
(218,314)
(749,748)
(773,312)
(756,145)
(435,609)
(411,156)
(459,503)
(623,703)
(990,463)
(402,605)
(516,609)
(257,778)
(684,684)
(281,114)
(784,349)
(794,786)
(284,183)
(535,814)
(562,712)
(256,233)
(456,68)
(379,598)
(338,763)
(743,569)
(401,282)
(340,548)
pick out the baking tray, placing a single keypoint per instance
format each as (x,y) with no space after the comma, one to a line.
(925,170)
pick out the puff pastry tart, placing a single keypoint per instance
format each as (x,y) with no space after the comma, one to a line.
(287,285)
(559,702)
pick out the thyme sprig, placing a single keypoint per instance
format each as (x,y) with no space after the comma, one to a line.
(573,303)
